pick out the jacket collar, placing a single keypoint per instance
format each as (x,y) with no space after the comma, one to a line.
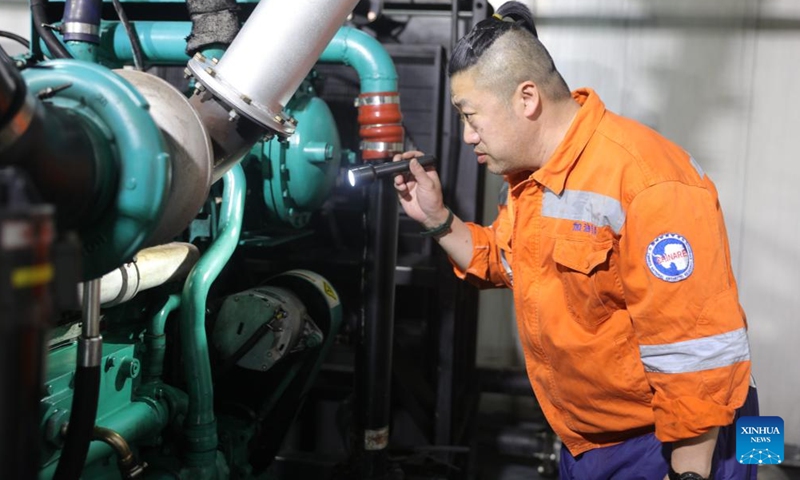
(553,174)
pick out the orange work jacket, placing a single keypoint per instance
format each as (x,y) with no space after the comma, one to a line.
(626,304)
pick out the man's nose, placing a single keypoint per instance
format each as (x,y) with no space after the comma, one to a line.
(471,137)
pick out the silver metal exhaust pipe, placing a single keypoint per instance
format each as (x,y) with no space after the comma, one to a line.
(241,96)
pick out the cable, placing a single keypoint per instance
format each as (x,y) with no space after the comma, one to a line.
(17,38)
(136,46)
(57,49)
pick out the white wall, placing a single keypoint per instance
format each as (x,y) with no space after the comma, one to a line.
(15,18)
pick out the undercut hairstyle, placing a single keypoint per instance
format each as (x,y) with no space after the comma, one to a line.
(504,50)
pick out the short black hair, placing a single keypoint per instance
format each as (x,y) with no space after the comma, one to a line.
(469,49)
(516,54)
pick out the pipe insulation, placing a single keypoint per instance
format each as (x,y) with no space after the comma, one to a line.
(150,268)
(214,23)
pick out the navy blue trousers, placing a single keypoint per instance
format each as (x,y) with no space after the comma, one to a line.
(646,458)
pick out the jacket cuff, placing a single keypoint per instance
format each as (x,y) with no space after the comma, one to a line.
(475,262)
(689,417)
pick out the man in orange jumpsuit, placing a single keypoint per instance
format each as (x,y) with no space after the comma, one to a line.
(613,242)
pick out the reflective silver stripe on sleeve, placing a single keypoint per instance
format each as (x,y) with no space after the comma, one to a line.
(696,355)
(581,206)
(507,266)
(696,166)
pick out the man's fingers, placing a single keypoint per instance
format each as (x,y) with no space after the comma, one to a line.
(420,175)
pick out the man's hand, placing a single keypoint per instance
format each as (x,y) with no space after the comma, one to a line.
(420,193)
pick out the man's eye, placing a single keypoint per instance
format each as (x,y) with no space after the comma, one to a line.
(466,116)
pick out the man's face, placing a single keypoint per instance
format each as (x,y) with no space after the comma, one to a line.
(491,125)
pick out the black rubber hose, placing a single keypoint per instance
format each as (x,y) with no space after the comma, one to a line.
(12,89)
(17,38)
(136,46)
(24,324)
(38,12)
(81,424)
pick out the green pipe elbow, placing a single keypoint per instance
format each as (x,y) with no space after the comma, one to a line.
(366,55)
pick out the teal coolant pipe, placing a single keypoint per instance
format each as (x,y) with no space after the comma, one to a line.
(200,425)
(165,43)
(156,340)
(85,51)
(366,55)
(379,114)
(162,42)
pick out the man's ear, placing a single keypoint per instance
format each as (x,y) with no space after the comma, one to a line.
(529,95)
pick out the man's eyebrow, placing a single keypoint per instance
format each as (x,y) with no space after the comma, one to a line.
(460,103)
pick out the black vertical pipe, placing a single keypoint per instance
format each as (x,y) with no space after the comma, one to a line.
(26,228)
(12,91)
(375,352)
(87,388)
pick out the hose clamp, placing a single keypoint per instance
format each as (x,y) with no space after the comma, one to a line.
(382,146)
(131,280)
(373,100)
(80,28)
(381,125)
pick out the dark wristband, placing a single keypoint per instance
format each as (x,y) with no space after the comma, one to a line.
(437,232)
(673,475)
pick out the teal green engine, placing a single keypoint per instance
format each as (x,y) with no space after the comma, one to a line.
(171,374)
(300,172)
(267,345)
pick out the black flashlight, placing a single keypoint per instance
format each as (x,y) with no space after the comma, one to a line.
(370,171)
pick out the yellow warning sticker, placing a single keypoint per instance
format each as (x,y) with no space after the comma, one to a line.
(32,276)
(329,291)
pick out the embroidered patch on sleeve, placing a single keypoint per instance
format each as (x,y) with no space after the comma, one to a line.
(670,257)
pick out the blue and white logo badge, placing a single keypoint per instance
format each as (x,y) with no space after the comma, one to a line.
(759,440)
(670,257)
